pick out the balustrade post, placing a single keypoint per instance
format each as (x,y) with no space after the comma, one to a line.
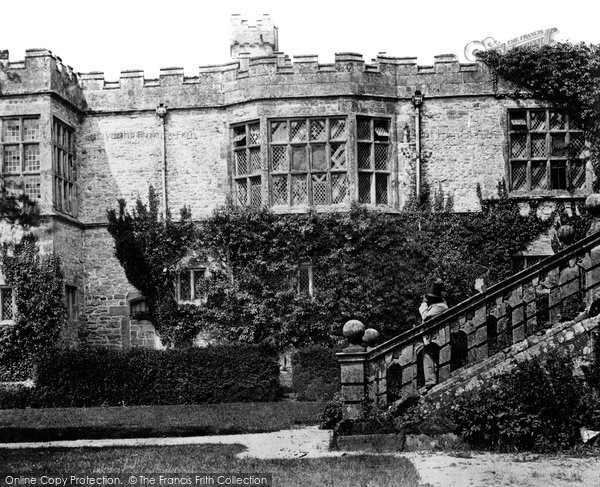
(352,362)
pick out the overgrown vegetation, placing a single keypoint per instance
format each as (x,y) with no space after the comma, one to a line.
(367,265)
(38,289)
(568,75)
(536,406)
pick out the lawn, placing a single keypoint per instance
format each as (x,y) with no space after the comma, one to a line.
(375,470)
(150,421)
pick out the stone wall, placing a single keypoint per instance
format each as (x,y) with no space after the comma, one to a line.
(105,311)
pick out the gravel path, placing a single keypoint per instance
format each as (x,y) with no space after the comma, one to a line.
(436,469)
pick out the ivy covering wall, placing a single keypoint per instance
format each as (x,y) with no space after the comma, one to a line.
(38,287)
(367,265)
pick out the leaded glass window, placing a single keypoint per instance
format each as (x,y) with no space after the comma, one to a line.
(308,162)
(247,164)
(63,166)
(546,151)
(373,160)
(192,285)
(20,156)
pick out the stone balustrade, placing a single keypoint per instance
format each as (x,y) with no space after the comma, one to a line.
(553,291)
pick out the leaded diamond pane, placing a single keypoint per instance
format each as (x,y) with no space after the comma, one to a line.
(381,189)
(279,158)
(32,187)
(337,128)
(382,130)
(518,120)
(381,156)
(304,280)
(298,130)
(558,145)
(518,146)
(363,129)
(318,156)
(12,159)
(557,121)
(578,174)
(254,160)
(519,175)
(279,131)
(364,187)
(255,191)
(12,131)
(242,191)
(31,129)
(319,189)
(299,162)
(185,286)
(254,134)
(538,120)
(241,160)
(317,130)
(538,175)
(538,145)
(7,303)
(279,190)
(338,156)
(339,188)
(364,156)
(577,145)
(32,157)
(239,136)
(299,190)
(558,175)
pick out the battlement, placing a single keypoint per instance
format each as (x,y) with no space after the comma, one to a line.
(248,66)
(256,40)
(275,76)
(39,72)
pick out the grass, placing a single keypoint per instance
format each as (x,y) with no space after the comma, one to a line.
(348,471)
(147,421)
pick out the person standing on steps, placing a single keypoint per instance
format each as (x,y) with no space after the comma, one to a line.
(433,302)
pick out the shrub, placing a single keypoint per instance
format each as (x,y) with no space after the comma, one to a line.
(333,413)
(231,373)
(315,373)
(536,406)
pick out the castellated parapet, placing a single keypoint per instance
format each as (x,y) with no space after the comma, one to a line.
(254,40)
(276,76)
(40,72)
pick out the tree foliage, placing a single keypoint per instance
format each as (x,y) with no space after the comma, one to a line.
(149,247)
(368,265)
(568,75)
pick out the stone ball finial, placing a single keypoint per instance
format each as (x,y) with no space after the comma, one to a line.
(592,203)
(566,234)
(371,337)
(354,331)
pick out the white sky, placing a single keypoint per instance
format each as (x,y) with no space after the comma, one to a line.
(115,35)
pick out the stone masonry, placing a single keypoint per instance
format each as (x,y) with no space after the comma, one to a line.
(119,142)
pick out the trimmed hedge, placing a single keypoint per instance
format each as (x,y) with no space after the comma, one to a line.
(315,373)
(96,377)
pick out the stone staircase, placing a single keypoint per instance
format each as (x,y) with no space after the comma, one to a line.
(528,313)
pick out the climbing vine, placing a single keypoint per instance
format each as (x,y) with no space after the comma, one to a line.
(568,75)
(368,265)
(40,315)
(149,247)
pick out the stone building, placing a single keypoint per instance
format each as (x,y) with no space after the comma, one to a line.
(286,133)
